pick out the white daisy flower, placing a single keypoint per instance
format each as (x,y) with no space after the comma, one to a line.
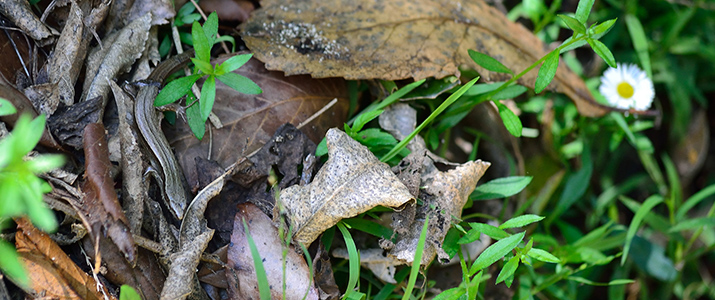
(627,87)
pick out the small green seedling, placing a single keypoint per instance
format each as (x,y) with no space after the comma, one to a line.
(203,39)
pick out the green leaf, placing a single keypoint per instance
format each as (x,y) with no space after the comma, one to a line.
(128,293)
(196,123)
(6,108)
(496,252)
(45,163)
(392,98)
(211,28)
(175,89)
(651,258)
(227,38)
(645,209)
(599,30)
(451,242)
(575,25)
(417,261)
(354,259)
(208,95)
(364,118)
(240,83)
(640,42)
(547,72)
(204,66)
(602,51)
(694,200)
(593,283)
(511,121)
(370,227)
(693,224)
(500,188)
(322,148)
(487,62)
(510,92)
(375,137)
(520,221)
(201,42)
(451,294)
(543,255)
(10,264)
(233,63)
(508,270)
(583,10)
(575,187)
(492,231)
(264,288)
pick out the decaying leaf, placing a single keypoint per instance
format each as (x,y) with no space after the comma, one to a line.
(53,274)
(397,40)
(20,13)
(62,68)
(101,208)
(444,196)
(377,260)
(122,54)
(241,272)
(250,120)
(351,182)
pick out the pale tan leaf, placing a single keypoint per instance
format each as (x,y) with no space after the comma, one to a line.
(351,182)
(381,264)
(393,40)
(240,271)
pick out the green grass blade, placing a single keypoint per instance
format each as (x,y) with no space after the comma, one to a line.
(392,98)
(429,120)
(694,200)
(589,282)
(264,288)
(647,206)
(640,42)
(693,224)
(354,260)
(417,262)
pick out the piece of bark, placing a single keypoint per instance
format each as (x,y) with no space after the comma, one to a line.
(68,125)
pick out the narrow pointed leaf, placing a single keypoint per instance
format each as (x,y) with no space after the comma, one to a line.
(583,10)
(572,23)
(175,90)
(208,95)
(646,208)
(240,83)
(547,72)
(520,221)
(489,63)
(496,252)
(603,52)
(511,121)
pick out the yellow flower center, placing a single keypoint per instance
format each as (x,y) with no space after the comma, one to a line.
(625,90)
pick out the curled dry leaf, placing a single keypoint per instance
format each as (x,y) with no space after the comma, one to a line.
(101,208)
(63,65)
(240,271)
(250,120)
(20,13)
(394,40)
(122,53)
(444,197)
(52,273)
(351,182)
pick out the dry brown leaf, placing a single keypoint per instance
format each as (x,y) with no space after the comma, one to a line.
(351,182)
(20,13)
(101,208)
(240,271)
(122,53)
(444,196)
(61,66)
(397,40)
(250,120)
(52,273)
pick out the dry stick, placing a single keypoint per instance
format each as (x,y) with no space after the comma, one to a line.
(203,15)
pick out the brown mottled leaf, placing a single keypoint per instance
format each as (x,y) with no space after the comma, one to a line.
(351,182)
(240,272)
(250,120)
(101,208)
(52,273)
(393,40)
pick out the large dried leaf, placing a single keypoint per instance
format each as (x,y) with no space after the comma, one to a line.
(240,271)
(52,273)
(250,120)
(398,39)
(351,182)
